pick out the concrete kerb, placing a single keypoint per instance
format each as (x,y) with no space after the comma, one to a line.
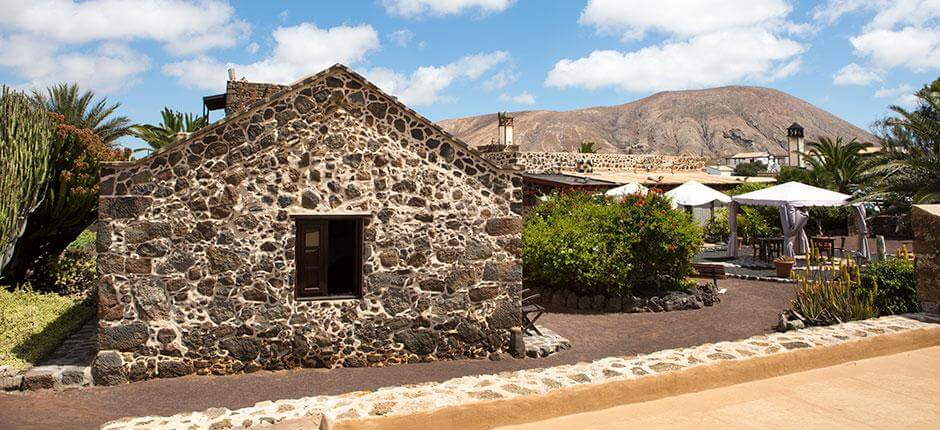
(585,398)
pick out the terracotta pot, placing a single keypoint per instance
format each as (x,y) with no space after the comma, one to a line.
(784,268)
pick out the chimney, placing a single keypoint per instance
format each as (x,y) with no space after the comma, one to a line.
(231,74)
(504,128)
(795,147)
(182,135)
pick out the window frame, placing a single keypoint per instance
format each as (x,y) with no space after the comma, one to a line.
(324,221)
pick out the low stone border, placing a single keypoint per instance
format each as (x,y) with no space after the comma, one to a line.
(47,378)
(761,278)
(323,411)
(548,343)
(704,295)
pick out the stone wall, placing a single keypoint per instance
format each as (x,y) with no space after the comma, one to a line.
(550,162)
(926,222)
(196,242)
(241,94)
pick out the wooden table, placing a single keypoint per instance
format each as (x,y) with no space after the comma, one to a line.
(768,248)
(824,244)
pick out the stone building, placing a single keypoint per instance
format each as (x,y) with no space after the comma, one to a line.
(319,224)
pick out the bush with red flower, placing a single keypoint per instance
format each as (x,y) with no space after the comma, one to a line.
(595,245)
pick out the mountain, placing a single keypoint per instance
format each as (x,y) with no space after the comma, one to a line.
(713,122)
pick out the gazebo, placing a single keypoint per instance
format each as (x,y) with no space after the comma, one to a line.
(792,199)
(626,190)
(700,199)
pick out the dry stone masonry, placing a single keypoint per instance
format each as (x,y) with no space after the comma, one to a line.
(554,162)
(926,223)
(468,390)
(196,242)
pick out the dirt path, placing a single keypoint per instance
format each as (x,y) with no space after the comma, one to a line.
(748,308)
(894,391)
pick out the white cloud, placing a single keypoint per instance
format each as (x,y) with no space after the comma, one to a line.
(401,37)
(425,85)
(917,49)
(709,43)
(110,68)
(523,98)
(854,74)
(501,79)
(299,51)
(684,18)
(718,58)
(902,95)
(418,8)
(900,34)
(252,48)
(183,27)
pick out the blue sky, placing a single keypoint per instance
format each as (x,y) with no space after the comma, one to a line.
(452,58)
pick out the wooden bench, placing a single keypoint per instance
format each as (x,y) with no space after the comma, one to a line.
(709,271)
(531,311)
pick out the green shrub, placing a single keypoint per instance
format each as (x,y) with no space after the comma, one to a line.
(593,245)
(73,274)
(897,288)
(32,324)
(86,238)
(750,169)
(716,230)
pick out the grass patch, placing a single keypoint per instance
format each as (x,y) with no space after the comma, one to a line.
(32,324)
(87,237)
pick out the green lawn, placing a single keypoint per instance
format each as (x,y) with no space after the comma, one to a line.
(33,323)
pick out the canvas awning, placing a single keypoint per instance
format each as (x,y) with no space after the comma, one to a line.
(793,194)
(693,193)
(626,190)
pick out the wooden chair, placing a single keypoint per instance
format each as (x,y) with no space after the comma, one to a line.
(531,311)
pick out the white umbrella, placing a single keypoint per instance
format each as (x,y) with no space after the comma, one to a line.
(793,194)
(626,190)
(693,193)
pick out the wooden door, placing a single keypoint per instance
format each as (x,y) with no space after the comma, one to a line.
(312,247)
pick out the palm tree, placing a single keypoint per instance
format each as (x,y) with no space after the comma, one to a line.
(587,147)
(81,110)
(909,162)
(160,135)
(842,165)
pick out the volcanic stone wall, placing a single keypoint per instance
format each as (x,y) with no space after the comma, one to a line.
(553,162)
(241,94)
(196,242)
(926,220)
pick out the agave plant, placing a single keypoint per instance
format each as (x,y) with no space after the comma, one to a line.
(159,135)
(831,293)
(587,147)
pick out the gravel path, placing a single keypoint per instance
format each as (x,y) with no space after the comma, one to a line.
(748,308)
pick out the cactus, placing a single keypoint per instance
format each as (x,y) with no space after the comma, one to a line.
(26,136)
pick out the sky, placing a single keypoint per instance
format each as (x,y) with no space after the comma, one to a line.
(455,58)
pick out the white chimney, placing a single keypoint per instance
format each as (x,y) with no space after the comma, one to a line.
(231,74)
(795,146)
(504,128)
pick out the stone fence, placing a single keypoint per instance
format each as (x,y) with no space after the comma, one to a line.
(549,162)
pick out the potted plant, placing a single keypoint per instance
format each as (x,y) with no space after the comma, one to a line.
(784,265)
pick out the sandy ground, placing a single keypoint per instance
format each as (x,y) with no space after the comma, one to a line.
(894,391)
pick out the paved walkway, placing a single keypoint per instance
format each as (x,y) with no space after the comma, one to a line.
(747,309)
(895,391)
(78,349)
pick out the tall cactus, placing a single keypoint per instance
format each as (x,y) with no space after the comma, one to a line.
(26,138)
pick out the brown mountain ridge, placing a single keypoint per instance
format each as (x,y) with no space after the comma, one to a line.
(712,122)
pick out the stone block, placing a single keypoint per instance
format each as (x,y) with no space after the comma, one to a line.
(504,226)
(122,337)
(40,378)
(108,368)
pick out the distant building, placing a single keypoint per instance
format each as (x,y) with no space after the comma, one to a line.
(719,170)
(749,157)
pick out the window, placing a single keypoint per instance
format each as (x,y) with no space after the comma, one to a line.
(328,257)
